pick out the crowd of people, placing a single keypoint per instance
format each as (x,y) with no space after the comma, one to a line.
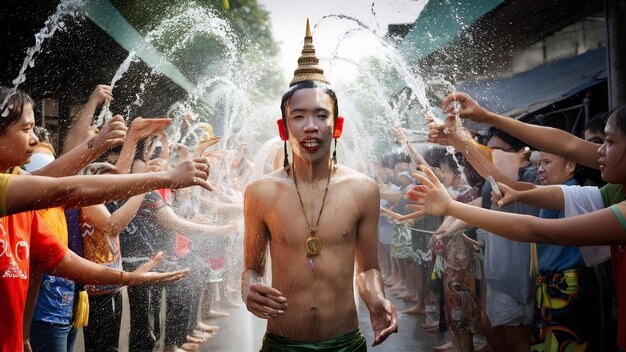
(473,233)
(76,229)
(482,236)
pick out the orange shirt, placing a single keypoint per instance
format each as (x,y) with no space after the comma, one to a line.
(25,238)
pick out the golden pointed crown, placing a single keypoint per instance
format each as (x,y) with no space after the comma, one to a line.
(308,70)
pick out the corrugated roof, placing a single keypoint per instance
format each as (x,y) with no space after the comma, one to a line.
(545,84)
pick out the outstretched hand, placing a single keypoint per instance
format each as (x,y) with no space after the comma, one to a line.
(111,135)
(136,278)
(384,320)
(141,128)
(154,262)
(206,143)
(430,197)
(263,301)
(465,107)
(191,172)
(448,132)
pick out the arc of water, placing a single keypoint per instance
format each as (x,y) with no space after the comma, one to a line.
(107,17)
(399,63)
(52,24)
(105,113)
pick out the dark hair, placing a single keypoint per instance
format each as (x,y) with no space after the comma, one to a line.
(13,102)
(304,85)
(434,155)
(473,177)
(448,159)
(619,115)
(515,143)
(597,122)
(114,150)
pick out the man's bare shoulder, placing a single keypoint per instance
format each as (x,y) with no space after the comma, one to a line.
(268,184)
(353,178)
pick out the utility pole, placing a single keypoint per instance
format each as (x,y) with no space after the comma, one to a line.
(615,12)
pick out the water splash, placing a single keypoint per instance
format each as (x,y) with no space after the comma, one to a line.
(51,26)
(105,113)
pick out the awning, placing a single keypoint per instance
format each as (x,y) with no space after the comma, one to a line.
(539,87)
(110,20)
(440,22)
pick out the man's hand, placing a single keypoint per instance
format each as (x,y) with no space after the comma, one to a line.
(191,172)
(102,95)
(384,320)
(111,135)
(263,301)
(141,128)
(467,107)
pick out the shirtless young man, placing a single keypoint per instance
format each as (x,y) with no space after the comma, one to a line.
(310,303)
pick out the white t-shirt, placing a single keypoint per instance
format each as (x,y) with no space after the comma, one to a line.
(581,200)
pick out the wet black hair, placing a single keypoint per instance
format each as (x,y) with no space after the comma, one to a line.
(515,143)
(304,85)
(13,104)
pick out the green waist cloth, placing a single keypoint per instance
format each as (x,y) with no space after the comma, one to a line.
(350,342)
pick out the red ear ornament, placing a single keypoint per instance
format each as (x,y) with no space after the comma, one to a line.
(282,131)
(338,127)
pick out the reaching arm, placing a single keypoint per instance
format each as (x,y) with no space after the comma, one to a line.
(174,223)
(369,280)
(546,197)
(79,130)
(36,192)
(581,230)
(480,157)
(415,156)
(547,139)
(140,128)
(395,215)
(112,224)
(81,270)
(70,163)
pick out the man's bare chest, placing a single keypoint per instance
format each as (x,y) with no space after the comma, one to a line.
(291,223)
